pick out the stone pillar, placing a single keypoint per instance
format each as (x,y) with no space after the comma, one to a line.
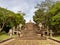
(51,33)
(40,25)
(20,25)
(10,32)
(47,31)
(20,34)
(17,33)
(44,33)
(13,30)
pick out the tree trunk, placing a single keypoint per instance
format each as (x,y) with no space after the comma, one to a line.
(2,27)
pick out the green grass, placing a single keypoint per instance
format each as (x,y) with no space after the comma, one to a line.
(3,37)
(57,37)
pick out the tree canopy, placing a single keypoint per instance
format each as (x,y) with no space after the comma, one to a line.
(49,17)
(9,18)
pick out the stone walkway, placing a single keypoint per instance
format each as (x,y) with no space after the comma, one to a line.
(6,42)
(32,42)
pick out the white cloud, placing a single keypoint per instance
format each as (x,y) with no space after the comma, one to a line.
(27,6)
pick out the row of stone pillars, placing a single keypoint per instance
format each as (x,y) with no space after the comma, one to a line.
(49,32)
(17,30)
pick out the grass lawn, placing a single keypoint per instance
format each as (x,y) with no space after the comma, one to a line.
(3,36)
(57,37)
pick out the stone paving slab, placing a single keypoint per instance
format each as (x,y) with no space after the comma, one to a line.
(32,42)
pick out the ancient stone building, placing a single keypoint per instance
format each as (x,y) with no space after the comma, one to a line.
(29,29)
(29,25)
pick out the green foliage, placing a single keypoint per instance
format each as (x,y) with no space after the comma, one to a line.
(55,16)
(10,19)
(39,16)
(56,19)
(50,18)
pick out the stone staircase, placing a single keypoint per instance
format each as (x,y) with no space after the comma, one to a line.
(30,35)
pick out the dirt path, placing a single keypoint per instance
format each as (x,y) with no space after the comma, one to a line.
(32,42)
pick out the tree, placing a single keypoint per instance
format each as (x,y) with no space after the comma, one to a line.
(10,19)
(54,13)
(40,14)
(49,13)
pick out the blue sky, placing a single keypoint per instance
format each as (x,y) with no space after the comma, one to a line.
(26,6)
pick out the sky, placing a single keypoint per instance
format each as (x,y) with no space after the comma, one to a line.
(26,6)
